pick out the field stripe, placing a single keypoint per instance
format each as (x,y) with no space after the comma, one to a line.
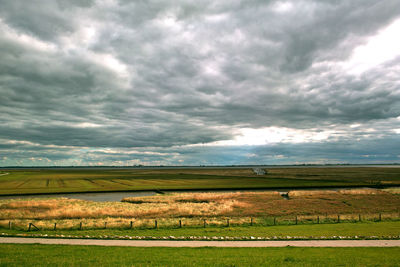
(21,184)
(109,183)
(61,182)
(167,243)
(93,183)
(120,183)
(7,185)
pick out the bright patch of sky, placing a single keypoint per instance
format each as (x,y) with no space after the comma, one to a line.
(378,49)
(271,135)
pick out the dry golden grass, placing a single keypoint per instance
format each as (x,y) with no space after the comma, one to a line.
(197,197)
(33,205)
(358,191)
(392,190)
(206,205)
(186,205)
(300,193)
(362,191)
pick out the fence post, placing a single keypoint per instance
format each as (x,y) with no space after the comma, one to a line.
(32,225)
(274,220)
(251,221)
(105,225)
(80,226)
(204,223)
(296,219)
(155,224)
(9,225)
(131,225)
(318,219)
(338,218)
(180,223)
(359,217)
(380,216)
(227,222)
(55,226)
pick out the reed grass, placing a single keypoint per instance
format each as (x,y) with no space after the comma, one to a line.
(357,191)
(206,205)
(392,190)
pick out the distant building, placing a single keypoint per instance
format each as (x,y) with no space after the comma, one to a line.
(259,171)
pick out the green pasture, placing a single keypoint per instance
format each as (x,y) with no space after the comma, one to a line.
(64,255)
(28,181)
(385,229)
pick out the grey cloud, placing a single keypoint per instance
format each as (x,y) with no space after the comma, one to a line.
(330,23)
(142,74)
(44,19)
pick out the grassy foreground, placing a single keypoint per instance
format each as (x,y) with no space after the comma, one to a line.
(28,181)
(61,255)
(388,229)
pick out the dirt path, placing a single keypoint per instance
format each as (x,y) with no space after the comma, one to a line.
(4,174)
(161,243)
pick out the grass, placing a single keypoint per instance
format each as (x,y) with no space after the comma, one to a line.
(306,205)
(192,208)
(380,230)
(61,255)
(28,181)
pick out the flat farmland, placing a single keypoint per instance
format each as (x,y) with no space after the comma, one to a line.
(47,180)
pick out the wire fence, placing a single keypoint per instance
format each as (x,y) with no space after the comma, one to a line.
(194,222)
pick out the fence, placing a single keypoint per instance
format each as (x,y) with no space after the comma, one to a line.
(153,223)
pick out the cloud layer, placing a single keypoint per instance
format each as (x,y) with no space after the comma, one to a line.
(204,82)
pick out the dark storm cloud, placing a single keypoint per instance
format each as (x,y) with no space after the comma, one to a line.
(45,19)
(153,76)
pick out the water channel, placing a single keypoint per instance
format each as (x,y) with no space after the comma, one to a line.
(118,196)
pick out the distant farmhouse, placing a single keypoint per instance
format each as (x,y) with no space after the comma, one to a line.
(259,171)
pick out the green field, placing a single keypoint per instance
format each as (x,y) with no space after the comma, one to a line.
(380,230)
(28,181)
(62,255)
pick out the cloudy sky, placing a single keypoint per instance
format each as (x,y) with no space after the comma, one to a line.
(115,82)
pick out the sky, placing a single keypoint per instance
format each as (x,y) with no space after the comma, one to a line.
(227,82)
